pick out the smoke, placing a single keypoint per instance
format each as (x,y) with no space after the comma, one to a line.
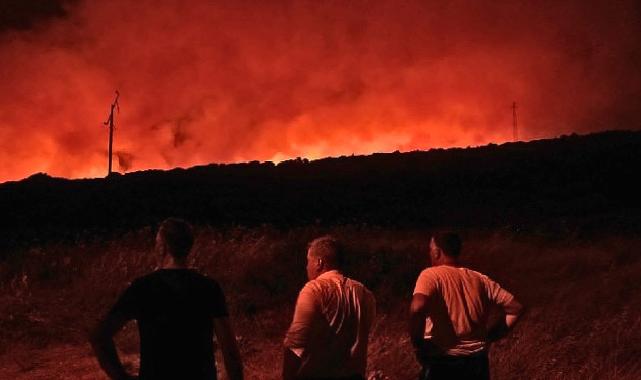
(125,160)
(231,81)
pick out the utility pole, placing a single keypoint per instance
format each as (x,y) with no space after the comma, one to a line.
(110,123)
(515,131)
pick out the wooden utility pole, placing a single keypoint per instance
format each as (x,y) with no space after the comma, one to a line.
(110,123)
(515,131)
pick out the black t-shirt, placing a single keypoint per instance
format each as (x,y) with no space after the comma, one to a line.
(174,309)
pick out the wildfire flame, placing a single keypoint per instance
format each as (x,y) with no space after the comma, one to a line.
(233,81)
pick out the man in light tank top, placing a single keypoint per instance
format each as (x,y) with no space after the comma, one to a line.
(450,315)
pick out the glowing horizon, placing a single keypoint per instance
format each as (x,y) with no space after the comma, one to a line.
(237,82)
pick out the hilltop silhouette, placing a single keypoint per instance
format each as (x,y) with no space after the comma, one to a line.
(587,181)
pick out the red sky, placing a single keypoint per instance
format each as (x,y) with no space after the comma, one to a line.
(205,81)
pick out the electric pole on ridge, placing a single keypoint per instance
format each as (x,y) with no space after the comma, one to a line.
(110,123)
(515,131)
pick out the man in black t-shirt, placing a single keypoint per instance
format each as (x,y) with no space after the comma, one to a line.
(178,310)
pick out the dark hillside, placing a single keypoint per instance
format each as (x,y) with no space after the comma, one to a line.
(586,181)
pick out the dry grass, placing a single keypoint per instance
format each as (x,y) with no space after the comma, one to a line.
(583,298)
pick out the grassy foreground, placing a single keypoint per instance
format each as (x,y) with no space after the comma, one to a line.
(583,298)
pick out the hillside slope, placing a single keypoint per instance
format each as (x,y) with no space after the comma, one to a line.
(586,180)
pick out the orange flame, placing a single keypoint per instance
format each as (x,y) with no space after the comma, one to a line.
(226,82)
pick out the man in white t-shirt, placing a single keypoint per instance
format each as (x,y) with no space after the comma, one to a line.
(332,320)
(450,315)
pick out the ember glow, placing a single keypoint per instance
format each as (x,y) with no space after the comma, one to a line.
(205,81)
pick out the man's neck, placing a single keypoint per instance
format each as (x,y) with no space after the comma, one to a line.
(328,270)
(447,261)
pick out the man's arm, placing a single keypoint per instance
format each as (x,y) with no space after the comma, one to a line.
(298,334)
(227,341)
(513,311)
(104,348)
(291,364)
(418,314)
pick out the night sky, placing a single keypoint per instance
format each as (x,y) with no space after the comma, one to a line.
(205,81)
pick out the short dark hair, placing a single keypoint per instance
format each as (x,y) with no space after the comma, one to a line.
(327,248)
(178,236)
(449,242)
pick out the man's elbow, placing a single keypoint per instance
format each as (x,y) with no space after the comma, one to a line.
(291,364)
(513,315)
(418,307)
(515,308)
(415,311)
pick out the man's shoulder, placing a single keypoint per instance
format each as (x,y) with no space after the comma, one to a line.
(434,276)
(315,285)
(443,270)
(427,280)
(351,283)
(358,285)
(331,281)
(434,271)
(324,280)
(366,292)
(150,277)
(204,280)
(475,273)
(145,279)
(323,287)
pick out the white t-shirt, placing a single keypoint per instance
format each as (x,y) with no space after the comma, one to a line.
(459,303)
(332,321)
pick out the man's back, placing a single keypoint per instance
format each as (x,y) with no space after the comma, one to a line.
(174,309)
(459,302)
(330,329)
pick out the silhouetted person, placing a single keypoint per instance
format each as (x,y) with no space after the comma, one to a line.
(177,310)
(334,314)
(450,313)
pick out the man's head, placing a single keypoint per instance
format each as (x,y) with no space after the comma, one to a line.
(323,254)
(175,238)
(445,247)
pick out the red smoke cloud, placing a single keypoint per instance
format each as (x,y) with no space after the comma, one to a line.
(232,81)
